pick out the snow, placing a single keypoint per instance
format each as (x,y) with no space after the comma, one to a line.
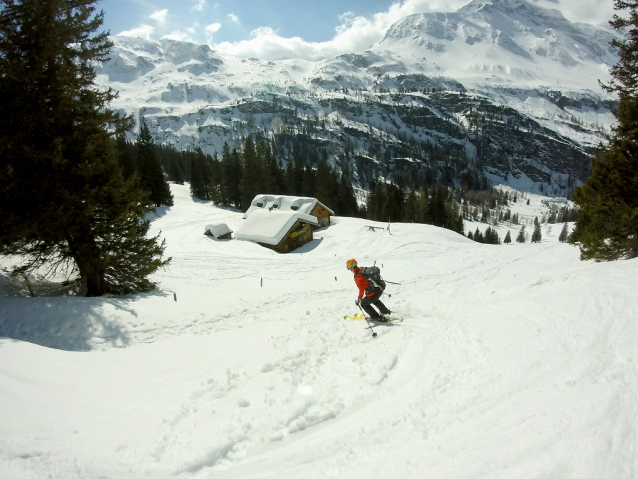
(270,226)
(512,362)
(218,229)
(301,204)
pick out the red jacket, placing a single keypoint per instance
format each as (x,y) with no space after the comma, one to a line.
(362,284)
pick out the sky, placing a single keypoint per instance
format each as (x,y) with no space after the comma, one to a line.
(308,29)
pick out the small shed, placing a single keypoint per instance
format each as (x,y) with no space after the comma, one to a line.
(297,204)
(218,231)
(282,231)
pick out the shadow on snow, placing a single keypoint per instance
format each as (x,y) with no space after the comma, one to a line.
(308,247)
(69,324)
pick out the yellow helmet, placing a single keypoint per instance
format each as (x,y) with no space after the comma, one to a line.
(351,264)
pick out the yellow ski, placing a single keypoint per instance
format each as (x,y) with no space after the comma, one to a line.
(361,317)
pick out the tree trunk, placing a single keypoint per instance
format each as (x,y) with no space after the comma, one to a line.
(88,259)
(93,272)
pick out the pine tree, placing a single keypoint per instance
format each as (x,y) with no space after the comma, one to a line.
(346,198)
(508,215)
(393,204)
(326,189)
(268,168)
(508,238)
(309,182)
(491,236)
(125,157)
(250,183)
(421,205)
(276,172)
(296,181)
(63,201)
(536,234)
(563,236)
(459,225)
(231,169)
(521,235)
(607,228)
(149,169)
(408,215)
(200,176)
(375,202)
(174,167)
(436,213)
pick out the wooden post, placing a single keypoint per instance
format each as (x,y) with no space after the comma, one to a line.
(175,296)
(28,283)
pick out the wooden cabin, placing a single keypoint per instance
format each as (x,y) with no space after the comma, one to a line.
(282,231)
(283,223)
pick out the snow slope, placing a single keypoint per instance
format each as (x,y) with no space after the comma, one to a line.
(513,362)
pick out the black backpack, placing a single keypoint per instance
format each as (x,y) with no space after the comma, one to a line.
(372,274)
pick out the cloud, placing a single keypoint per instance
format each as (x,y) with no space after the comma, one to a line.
(182,36)
(233,18)
(210,29)
(358,33)
(198,5)
(353,34)
(143,31)
(213,27)
(159,16)
(266,43)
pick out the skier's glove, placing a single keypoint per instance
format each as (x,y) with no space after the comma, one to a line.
(357,302)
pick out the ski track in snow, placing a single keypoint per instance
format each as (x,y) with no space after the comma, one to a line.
(513,361)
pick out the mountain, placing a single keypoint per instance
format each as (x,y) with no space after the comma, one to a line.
(504,42)
(500,88)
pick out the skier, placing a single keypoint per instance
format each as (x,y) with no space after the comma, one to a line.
(368,294)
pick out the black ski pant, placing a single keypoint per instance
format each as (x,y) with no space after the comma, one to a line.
(375,300)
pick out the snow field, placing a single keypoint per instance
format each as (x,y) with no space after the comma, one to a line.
(513,362)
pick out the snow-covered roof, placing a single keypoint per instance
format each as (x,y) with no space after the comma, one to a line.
(270,226)
(299,204)
(217,229)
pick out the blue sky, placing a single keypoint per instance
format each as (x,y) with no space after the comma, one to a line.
(275,29)
(314,20)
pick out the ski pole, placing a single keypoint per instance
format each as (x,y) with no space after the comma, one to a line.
(391,282)
(374,334)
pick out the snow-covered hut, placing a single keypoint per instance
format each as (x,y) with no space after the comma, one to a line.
(282,231)
(297,204)
(218,230)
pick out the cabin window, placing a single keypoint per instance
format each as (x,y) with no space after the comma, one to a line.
(293,207)
(260,204)
(275,206)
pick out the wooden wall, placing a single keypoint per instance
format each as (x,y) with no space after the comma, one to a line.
(299,234)
(322,214)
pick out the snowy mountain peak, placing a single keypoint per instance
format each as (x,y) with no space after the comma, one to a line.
(505,41)
(132,58)
(516,12)
(504,6)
